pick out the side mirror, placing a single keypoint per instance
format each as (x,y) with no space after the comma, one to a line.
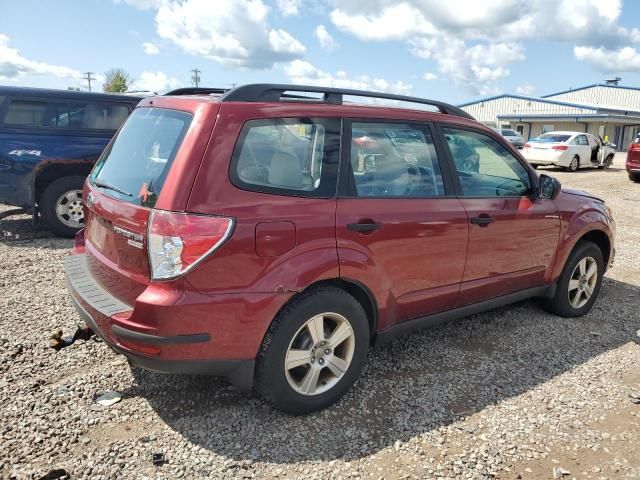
(548,187)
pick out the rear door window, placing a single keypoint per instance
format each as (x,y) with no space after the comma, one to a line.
(66,114)
(134,167)
(26,113)
(286,156)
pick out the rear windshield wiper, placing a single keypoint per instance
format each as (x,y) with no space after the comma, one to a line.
(108,186)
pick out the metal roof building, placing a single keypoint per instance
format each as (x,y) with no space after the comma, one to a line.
(610,111)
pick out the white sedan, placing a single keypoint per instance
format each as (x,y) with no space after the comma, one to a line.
(571,150)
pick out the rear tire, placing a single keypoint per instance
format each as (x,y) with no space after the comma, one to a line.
(634,177)
(578,285)
(575,164)
(61,206)
(296,371)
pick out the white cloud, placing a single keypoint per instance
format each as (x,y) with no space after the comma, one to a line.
(304,73)
(143,4)
(474,42)
(477,69)
(150,48)
(157,82)
(289,7)
(430,76)
(626,59)
(13,64)
(327,42)
(234,33)
(525,89)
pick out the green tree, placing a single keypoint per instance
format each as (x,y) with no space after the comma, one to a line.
(116,80)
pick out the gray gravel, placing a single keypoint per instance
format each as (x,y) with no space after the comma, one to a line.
(513,393)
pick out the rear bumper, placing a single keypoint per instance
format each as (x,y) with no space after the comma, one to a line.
(177,331)
(632,167)
(544,157)
(238,372)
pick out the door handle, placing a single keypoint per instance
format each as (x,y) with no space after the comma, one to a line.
(483,220)
(364,227)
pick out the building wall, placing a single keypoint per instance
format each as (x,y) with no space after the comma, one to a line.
(488,111)
(621,98)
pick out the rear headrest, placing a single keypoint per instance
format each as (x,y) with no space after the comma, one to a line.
(285,171)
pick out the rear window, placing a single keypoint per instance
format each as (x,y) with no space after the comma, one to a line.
(509,133)
(551,138)
(82,115)
(287,156)
(134,167)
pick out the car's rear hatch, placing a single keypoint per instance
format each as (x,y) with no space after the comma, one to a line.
(150,164)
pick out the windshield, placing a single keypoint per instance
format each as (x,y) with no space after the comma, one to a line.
(134,167)
(551,138)
(509,133)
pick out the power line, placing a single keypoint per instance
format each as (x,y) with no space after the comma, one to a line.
(88,77)
(195,78)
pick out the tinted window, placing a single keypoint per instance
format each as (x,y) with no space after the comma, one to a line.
(393,160)
(25,113)
(286,156)
(485,168)
(509,133)
(582,140)
(86,115)
(138,160)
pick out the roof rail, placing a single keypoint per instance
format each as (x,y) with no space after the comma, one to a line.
(266,92)
(197,91)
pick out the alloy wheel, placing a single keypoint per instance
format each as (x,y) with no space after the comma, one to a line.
(69,209)
(319,354)
(583,282)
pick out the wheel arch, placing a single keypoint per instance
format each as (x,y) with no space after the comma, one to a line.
(357,290)
(54,171)
(601,239)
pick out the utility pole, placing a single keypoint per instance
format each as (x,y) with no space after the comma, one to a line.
(88,77)
(196,77)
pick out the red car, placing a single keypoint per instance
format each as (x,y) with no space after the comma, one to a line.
(272,238)
(633,160)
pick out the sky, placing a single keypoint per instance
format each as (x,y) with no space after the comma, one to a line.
(453,51)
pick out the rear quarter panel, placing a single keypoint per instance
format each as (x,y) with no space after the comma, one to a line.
(236,266)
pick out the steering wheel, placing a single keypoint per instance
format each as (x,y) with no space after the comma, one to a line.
(508,186)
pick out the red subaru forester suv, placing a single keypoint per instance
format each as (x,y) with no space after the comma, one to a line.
(273,233)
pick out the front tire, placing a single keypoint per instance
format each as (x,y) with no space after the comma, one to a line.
(313,351)
(580,281)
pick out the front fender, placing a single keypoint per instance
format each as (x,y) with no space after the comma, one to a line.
(575,226)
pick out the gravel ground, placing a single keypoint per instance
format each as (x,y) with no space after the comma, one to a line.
(513,393)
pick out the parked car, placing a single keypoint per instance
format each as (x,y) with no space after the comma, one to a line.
(272,239)
(49,141)
(513,137)
(633,160)
(570,150)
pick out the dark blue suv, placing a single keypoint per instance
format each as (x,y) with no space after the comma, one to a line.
(49,141)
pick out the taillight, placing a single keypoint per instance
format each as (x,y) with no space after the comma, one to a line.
(527,145)
(177,242)
(560,147)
